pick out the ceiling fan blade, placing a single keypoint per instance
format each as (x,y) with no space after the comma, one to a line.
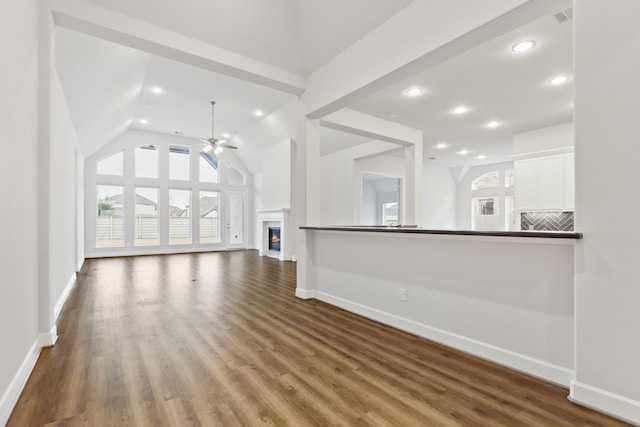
(224,144)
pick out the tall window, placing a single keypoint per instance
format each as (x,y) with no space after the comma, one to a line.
(179,214)
(109,222)
(168,198)
(147,224)
(209,218)
(179,163)
(390,213)
(147,161)
(208,167)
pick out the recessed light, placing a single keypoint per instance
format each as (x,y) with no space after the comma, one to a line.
(558,80)
(441,146)
(393,116)
(481,157)
(492,124)
(157,90)
(144,121)
(461,109)
(259,113)
(523,46)
(414,91)
(225,135)
(147,105)
(463,152)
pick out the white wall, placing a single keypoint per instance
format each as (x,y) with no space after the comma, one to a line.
(272,129)
(263,150)
(607,152)
(63,211)
(369,216)
(19,105)
(387,165)
(439,201)
(543,139)
(506,299)
(276,175)
(341,179)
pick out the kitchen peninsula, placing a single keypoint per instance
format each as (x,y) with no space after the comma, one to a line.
(503,296)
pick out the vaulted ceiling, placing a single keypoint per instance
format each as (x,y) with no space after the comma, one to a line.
(108,86)
(296,35)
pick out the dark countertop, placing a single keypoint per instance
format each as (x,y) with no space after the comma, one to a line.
(415,230)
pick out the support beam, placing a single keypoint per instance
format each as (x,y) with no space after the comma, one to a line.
(415,39)
(108,25)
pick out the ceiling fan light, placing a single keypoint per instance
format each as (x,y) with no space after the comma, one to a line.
(207,148)
(217,150)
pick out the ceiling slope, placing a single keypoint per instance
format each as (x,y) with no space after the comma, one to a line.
(102,82)
(295,35)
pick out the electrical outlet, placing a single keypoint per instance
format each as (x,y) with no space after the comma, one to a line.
(402,294)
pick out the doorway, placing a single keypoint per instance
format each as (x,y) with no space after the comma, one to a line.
(381,199)
(236,219)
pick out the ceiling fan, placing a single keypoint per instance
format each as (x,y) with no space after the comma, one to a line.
(217,145)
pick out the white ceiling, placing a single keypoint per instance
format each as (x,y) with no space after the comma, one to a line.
(496,84)
(296,35)
(107,86)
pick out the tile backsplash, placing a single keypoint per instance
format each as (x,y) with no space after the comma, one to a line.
(547,221)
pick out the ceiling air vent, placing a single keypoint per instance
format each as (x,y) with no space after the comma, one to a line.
(564,15)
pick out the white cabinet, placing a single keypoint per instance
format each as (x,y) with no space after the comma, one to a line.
(551,183)
(526,184)
(544,183)
(569,183)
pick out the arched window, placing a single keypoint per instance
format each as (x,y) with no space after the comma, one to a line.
(488,180)
(161,195)
(492,201)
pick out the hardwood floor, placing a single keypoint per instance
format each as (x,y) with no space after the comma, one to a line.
(219,339)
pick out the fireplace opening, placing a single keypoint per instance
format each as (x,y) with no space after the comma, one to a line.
(274,239)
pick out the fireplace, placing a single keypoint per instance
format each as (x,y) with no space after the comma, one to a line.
(274,239)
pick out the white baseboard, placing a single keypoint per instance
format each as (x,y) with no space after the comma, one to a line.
(519,362)
(48,339)
(304,294)
(79,266)
(11,395)
(63,298)
(604,401)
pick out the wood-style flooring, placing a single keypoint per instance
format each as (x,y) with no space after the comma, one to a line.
(219,339)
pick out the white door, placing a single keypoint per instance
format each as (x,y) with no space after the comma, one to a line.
(236,219)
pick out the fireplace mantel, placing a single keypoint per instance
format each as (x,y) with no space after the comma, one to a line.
(274,218)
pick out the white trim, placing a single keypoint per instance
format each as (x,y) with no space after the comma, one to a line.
(63,298)
(80,264)
(48,339)
(12,393)
(536,154)
(604,401)
(162,251)
(305,294)
(519,362)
